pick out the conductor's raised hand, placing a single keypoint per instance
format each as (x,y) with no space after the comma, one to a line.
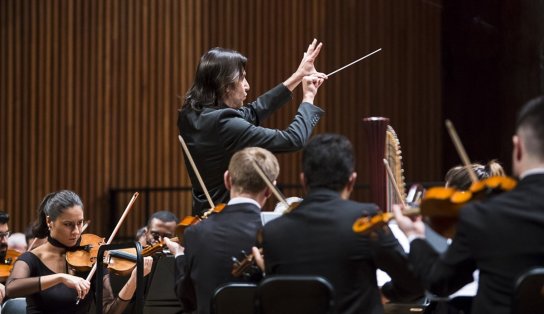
(310,85)
(306,66)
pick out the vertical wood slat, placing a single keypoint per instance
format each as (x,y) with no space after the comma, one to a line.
(89,90)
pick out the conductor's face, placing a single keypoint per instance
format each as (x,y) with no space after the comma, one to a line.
(236,94)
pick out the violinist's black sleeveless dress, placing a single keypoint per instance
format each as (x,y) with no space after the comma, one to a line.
(57,299)
(60,299)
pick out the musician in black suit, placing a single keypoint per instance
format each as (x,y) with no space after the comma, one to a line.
(502,236)
(215,123)
(317,238)
(210,245)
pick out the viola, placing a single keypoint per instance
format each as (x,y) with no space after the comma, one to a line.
(6,263)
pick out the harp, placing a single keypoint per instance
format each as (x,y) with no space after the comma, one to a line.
(383,143)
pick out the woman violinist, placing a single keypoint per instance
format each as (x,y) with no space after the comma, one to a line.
(43,275)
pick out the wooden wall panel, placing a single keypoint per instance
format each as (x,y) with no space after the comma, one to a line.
(89,90)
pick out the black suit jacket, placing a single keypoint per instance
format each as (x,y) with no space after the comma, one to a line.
(316,238)
(502,237)
(209,248)
(214,135)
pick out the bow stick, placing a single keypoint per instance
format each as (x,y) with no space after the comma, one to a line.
(461,151)
(119,223)
(191,161)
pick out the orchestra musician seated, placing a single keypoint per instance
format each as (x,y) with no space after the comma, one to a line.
(161,224)
(317,238)
(501,236)
(206,261)
(43,275)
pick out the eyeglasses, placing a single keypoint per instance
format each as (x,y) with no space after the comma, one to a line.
(4,234)
(157,235)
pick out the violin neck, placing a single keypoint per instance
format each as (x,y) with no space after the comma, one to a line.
(123,255)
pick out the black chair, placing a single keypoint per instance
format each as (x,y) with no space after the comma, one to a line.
(14,306)
(529,292)
(234,298)
(294,294)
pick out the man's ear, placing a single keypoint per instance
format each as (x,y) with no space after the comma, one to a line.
(351,181)
(227,179)
(517,148)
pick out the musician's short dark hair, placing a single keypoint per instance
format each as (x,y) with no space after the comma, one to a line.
(164,216)
(328,161)
(4,218)
(530,125)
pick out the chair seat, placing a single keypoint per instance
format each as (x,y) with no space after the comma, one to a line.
(234,298)
(14,306)
(294,295)
(529,293)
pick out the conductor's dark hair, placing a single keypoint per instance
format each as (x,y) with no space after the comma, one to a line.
(328,161)
(53,205)
(530,125)
(218,69)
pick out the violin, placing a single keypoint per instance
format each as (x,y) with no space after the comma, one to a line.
(246,266)
(122,262)
(441,205)
(6,263)
(84,258)
(193,220)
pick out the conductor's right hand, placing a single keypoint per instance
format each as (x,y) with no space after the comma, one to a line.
(310,85)
(79,284)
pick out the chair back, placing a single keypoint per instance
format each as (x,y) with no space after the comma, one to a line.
(14,306)
(234,298)
(529,292)
(294,294)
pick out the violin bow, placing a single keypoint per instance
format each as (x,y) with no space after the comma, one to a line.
(197,173)
(32,244)
(271,186)
(114,233)
(461,150)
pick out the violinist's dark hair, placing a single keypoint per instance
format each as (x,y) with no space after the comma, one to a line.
(328,161)
(53,205)
(530,125)
(459,178)
(164,216)
(218,69)
(4,218)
